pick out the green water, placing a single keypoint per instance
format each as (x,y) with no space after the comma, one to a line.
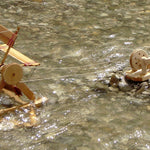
(79,43)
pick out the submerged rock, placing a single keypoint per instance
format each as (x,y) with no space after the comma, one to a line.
(100,87)
(114,81)
(124,86)
(7,102)
(142,88)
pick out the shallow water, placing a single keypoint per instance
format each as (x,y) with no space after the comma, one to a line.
(79,44)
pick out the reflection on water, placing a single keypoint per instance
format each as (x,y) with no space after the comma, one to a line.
(79,44)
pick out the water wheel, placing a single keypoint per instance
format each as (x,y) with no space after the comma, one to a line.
(12,73)
(135,59)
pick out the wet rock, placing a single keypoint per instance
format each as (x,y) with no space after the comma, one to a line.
(104,15)
(113,89)
(142,88)
(124,87)
(37,1)
(148,108)
(115,4)
(100,87)
(7,102)
(35,29)
(43,24)
(114,81)
(146,93)
(127,16)
(19,10)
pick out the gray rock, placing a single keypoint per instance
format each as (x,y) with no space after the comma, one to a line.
(7,102)
(124,87)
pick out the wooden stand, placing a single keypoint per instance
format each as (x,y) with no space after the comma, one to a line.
(140,64)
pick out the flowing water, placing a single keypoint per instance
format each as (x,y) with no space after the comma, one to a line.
(79,44)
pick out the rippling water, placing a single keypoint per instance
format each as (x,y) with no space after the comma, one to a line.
(79,43)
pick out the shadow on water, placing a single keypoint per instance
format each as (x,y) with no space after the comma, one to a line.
(79,44)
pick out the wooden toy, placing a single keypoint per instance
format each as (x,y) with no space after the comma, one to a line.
(11,75)
(140,64)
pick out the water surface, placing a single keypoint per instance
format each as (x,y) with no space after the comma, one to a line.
(79,44)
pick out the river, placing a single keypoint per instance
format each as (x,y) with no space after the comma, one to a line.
(79,44)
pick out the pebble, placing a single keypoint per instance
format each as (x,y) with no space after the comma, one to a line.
(104,15)
(100,87)
(146,93)
(114,80)
(124,87)
(35,29)
(43,24)
(113,89)
(148,107)
(127,17)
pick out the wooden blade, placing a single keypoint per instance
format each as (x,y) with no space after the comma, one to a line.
(13,95)
(19,56)
(24,89)
(6,35)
